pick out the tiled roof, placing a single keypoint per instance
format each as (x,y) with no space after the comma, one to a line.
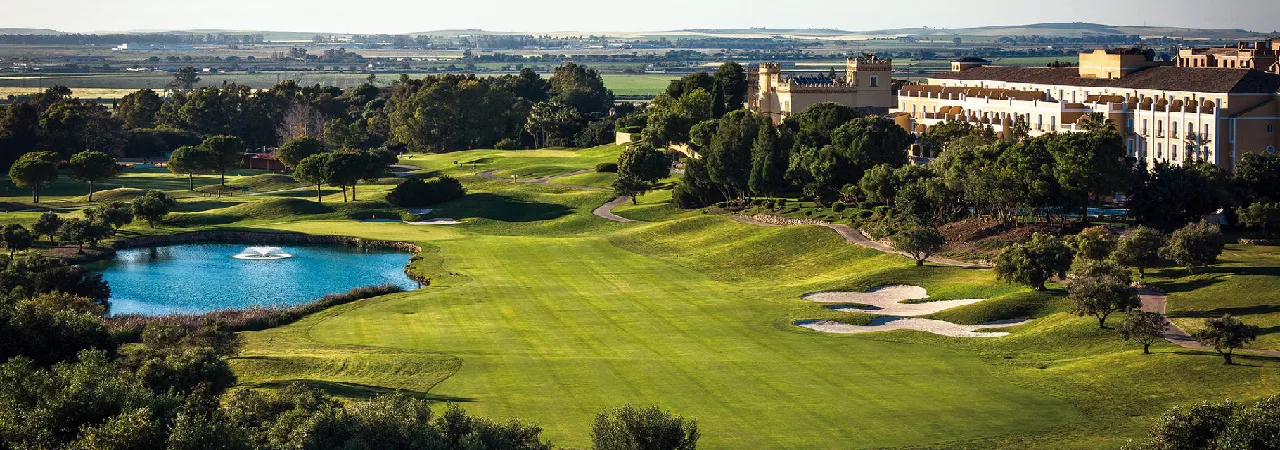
(1165,78)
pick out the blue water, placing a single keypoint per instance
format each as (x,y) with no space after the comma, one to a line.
(199,278)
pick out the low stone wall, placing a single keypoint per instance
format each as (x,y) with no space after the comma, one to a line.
(775,220)
(1260,241)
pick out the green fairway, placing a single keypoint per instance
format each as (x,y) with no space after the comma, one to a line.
(1244,283)
(553,330)
(541,311)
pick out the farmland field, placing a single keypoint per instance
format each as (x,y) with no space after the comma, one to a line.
(116,85)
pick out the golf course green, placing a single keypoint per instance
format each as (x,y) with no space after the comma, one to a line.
(540,311)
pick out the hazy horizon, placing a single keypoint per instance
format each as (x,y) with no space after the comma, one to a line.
(399,17)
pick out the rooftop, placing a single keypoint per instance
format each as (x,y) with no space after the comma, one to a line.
(1165,78)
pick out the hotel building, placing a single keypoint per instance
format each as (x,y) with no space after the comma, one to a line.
(867,86)
(1211,104)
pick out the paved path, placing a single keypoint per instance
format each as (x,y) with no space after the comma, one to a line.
(1157,302)
(858,238)
(606,210)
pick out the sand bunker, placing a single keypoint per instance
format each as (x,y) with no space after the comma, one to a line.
(927,325)
(887,301)
(441,221)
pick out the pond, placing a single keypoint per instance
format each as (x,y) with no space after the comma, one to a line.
(197,278)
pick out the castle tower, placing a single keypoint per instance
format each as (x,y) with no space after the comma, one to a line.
(764,97)
(869,72)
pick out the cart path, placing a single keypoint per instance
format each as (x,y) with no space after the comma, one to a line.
(1157,302)
(606,211)
(858,238)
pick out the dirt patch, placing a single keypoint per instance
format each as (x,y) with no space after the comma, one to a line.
(980,239)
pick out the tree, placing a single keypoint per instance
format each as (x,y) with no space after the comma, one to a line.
(1089,164)
(919,242)
(139,109)
(1140,249)
(344,169)
(16,238)
(1191,428)
(294,151)
(1260,172)
(225,153)
(300,120)
(1144,328)
(581,88)
(626,186)
(1094,243)
(1195,245)
(644,163)
(35,170)
(731,77)
(1034,262)
(1225,334)
(1167,197)
(414,192)
(1100,288)
(47,225)
(1260,215)
(153,206)
(75,231)
(185,79)
(92,166)
(768,161)
(312,170)
(648,428)
(189,160)
(117,214)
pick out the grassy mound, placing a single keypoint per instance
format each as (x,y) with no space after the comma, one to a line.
(271,209)
(117,195)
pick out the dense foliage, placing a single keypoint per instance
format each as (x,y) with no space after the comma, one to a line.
(414,192)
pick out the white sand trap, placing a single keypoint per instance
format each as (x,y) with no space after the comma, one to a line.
(887,301)
(441,221)
(926,325)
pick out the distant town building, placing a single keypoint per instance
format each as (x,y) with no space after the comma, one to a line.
(1203,108)
(867,85)
(1245,55)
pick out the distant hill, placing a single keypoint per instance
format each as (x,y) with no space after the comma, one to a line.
(1070,30)
(1073,30)
(29,31)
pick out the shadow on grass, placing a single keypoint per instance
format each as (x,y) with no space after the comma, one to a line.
(502,208)
(355,390)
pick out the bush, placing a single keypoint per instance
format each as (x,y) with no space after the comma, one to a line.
(882,211)
(863,214)
(607,167)
(808,212)
(782,202)
(837,206)
(129,327)
(507,144)
(414,192)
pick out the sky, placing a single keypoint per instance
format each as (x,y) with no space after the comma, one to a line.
(407,16)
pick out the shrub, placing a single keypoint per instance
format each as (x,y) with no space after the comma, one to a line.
(414,192)
(607,167)
(129,327)
(837,206)
(808,212)
(782,202)
(507,144)
(882,211)
(863,214)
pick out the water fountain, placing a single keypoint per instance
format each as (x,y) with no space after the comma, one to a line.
(262,254)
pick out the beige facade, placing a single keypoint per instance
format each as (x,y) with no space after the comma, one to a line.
(1166,114)
(1245,55)
(867,85)
(1113,64)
